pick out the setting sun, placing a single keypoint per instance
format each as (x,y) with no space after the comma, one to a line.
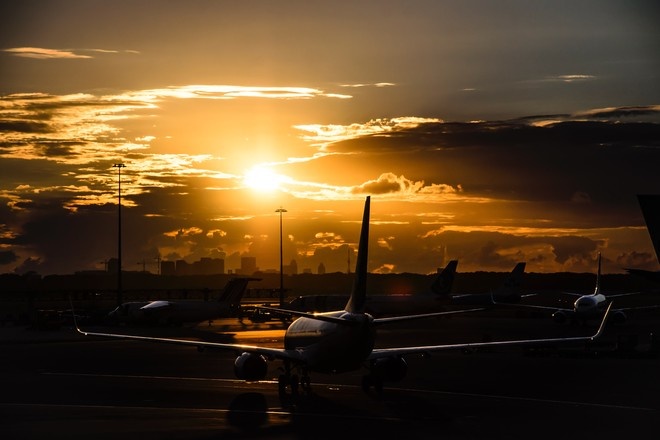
(262,179)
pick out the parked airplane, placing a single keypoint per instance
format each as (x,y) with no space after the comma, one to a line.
(385,305)
(508,292)
(441,296)
(167,312)
(338,342)
(650,206)
(587,306)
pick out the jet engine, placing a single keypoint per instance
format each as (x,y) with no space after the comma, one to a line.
(250,366)
(560,316)
(390,369)
(618,317)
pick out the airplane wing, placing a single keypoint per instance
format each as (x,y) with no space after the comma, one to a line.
(272,353)
(533,306)
(377,321)
(617,295)
(380,321)
(157,305)
(530,306)
(625,309)
(401,351)
(573,293)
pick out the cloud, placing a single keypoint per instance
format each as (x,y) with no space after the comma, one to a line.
(361,85)
(45,54)
(41,53)
(210,91)
(571,78)
(324,135)
(490,193)
(388,183)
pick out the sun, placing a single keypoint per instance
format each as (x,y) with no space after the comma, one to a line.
(263,179)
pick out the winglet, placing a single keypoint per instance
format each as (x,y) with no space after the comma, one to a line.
(73,315)
(359,293)
(601,329)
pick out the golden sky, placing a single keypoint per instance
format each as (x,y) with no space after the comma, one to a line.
(489,132)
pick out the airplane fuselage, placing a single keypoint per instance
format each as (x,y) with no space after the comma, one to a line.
(590,305)
(329,347)
(185,311)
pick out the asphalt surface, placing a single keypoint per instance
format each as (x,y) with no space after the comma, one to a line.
(57,384)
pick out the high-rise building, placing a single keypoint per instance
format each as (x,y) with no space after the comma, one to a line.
(248,265)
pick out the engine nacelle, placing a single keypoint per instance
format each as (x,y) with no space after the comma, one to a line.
(390,369)
(250,366)
(618,317)
(560,317)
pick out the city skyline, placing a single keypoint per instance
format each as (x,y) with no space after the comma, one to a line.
(487,132)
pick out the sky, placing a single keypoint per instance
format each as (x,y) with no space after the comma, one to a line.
(490,132)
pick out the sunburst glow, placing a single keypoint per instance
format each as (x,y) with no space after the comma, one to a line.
(263,179)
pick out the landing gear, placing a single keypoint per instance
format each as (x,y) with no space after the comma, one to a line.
(371,380)
(293,382)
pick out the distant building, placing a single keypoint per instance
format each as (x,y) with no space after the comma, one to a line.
(321,269)
(248,265)
(205,266)
(167,268)
(208,266)
(182,267)
(291,268)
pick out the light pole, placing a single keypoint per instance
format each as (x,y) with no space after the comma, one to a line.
(120,298)
(281,210)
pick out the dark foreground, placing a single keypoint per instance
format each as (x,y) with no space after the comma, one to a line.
(59,385)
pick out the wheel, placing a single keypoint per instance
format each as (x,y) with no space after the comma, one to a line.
(366,383)
(294,384)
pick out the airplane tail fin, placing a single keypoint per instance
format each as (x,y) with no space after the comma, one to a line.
(650,206)
(597,289)
(235,289)
(510,289)
(359,293)
(442,284)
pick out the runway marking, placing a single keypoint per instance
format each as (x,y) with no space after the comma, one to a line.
(336,387)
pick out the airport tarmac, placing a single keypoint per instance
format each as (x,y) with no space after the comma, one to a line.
(63,385)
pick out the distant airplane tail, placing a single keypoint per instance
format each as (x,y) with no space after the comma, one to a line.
(235,289)
(650,206)
(359,293)
(443,282)
(510,289)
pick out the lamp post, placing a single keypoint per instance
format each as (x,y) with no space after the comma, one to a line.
(120,298)
(281,210)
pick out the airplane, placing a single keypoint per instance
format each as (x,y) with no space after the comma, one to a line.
(508,292)
(166,312)
(338,342)
(587,306)
(650,206)
(387,305)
